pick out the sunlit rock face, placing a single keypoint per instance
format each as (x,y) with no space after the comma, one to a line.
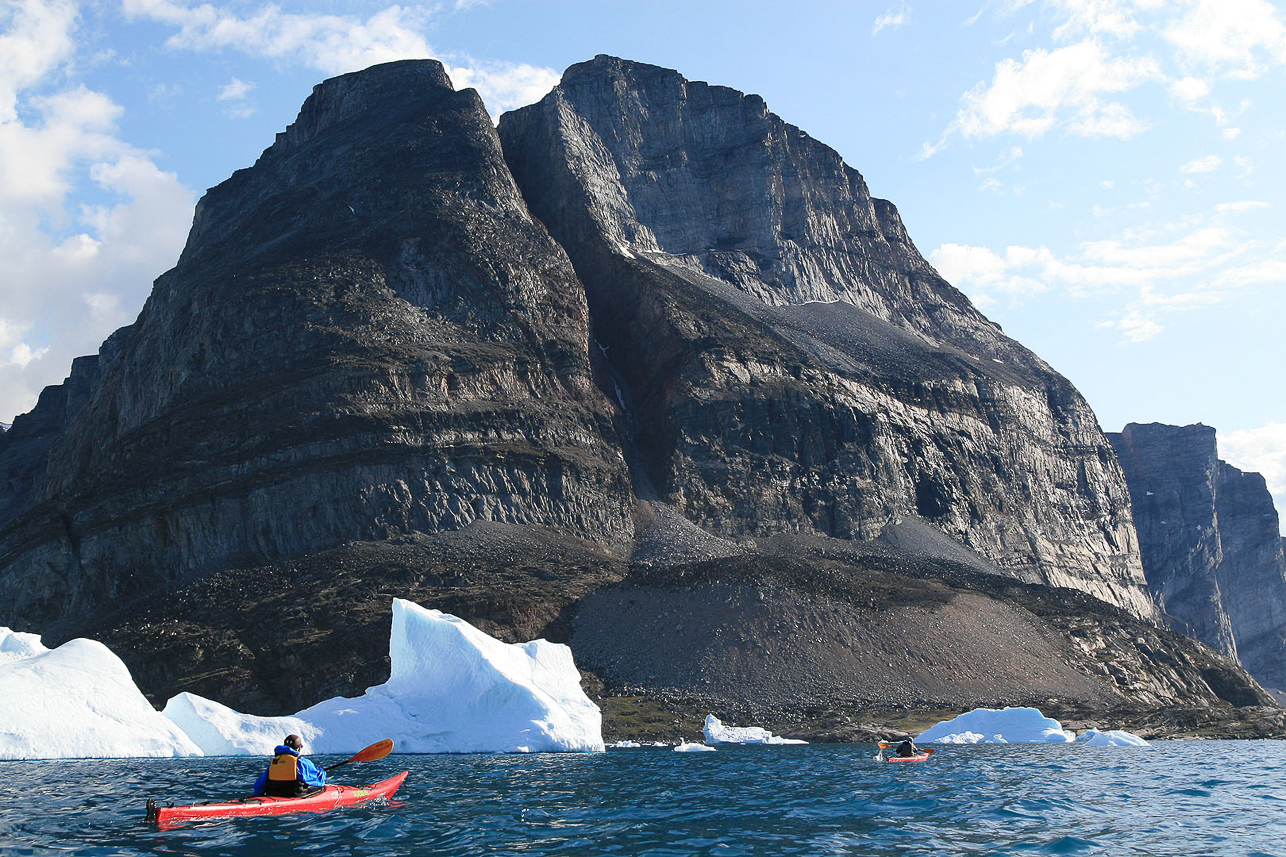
(367,335)
(1212,546)
(788,358)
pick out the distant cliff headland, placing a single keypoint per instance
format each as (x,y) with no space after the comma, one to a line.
(644,369)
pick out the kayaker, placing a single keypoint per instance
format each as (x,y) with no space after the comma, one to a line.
(289,774)
(907,749)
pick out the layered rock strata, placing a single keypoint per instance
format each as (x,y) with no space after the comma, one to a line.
(367,335)
(1211,542)
(792,362)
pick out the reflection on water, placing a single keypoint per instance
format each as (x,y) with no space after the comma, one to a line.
(1175,798)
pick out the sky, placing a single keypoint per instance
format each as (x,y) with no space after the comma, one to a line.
(1103,178)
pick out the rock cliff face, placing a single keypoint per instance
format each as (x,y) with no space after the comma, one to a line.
(366,335)
(792,362)
(1211,544)
(711,402)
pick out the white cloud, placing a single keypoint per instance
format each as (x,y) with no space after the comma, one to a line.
(36,39)
(68,277)
(332,44)
(504,86)
(1236,37)
(1208,164)
(1244,205)
(1096,17)
(235,90)
(1190,89)
(1259,450)
(1231,133)
(1064,86)
(335,44)
(1134,326)
(890,19)
(1138,284)
(985,276)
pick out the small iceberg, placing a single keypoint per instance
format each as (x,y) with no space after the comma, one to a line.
(623,745)
(689,747)
(1111,738)
(717,733)
(452,689)
(1007,726)
(77,701)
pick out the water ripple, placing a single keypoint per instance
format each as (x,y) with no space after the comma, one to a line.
(1176,798)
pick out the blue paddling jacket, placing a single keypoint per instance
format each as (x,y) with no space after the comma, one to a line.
(289,774)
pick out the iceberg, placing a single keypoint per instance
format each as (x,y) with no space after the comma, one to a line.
(77,701)
(1111,738)
(691,747)
(1008,726)
(717,733)
(452,689)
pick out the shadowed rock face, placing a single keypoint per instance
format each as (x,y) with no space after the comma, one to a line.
(1211,543)
(790,360)
(366,335)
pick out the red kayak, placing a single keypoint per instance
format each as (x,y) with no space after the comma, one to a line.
(328,798)
(917,758)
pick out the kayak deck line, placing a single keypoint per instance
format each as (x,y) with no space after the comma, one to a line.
(330,797)
(916,758)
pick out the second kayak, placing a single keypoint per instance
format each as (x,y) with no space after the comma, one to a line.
(329,797)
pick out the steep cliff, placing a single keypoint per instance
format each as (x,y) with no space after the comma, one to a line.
(792,363)
(367,335)
(1212,548)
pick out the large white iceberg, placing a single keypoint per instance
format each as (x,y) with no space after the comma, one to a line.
(452,689)
(76,701)
(717,733)
(991,726)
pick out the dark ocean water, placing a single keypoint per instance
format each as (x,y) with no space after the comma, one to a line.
(1174,798)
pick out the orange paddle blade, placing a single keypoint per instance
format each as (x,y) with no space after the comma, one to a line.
(378,750)
(929,750)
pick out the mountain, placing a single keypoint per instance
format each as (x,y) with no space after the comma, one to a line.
(646,369)
(790,360)
(1212,547)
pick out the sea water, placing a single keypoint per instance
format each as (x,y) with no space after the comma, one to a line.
(1173,798)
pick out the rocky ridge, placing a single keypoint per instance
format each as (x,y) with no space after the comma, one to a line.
(1212,547)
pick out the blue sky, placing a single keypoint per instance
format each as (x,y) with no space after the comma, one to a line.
(1104,178)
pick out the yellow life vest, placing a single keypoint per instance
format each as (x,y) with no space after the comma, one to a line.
(284,767)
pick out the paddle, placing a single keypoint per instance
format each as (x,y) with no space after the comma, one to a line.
(378,750)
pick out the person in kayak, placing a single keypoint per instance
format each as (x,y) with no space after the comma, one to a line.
(907,748)
(289,774)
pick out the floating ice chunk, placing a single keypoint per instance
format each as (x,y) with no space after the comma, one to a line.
(717,733)
(1111,738)
(1008,726)
(688,747)
(452,689)
(624,745)
(77,701)
(220,731)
